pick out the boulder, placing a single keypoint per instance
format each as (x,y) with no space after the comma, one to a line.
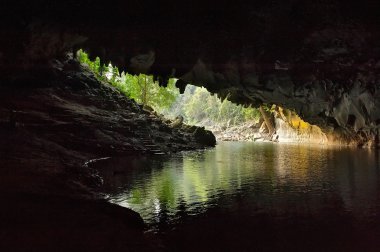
(204,137)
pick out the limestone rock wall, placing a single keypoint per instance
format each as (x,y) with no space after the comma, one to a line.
(291,128)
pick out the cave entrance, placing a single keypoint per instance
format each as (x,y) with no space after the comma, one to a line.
(197,106)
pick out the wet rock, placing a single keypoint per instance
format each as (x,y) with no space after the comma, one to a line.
(204,136)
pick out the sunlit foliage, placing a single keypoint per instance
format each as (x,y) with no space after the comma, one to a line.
(202,108)
(196,105)
(141,87)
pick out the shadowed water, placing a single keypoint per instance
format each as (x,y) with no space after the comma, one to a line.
(277,192)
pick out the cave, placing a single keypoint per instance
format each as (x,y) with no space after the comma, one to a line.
(86,168)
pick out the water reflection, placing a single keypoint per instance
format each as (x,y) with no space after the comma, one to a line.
(247,179)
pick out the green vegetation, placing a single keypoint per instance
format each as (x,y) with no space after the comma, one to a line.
(196,105)
(199,107)
(141,87)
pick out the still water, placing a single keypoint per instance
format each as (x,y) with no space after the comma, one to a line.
(281,190)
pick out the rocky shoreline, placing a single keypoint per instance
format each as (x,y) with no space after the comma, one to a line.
(290,128)
(50,135)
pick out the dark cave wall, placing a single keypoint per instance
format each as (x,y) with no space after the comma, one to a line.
(179,33)
(320,58)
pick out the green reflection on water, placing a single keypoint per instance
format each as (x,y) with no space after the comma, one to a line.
(277,178)
(193,179)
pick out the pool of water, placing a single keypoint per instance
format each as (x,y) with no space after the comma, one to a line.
(255,196)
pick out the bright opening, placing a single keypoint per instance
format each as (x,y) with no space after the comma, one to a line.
(197,106)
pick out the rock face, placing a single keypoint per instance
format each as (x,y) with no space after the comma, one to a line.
(320,58)
(291,128)
(288,127)
(205,137)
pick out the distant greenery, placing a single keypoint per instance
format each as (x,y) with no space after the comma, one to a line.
(199,107)
(196,105)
